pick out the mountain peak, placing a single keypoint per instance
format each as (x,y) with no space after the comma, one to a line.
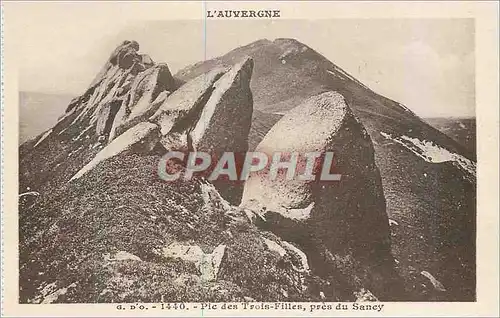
(287,40)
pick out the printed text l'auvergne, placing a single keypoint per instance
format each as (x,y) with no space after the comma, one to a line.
(244,13)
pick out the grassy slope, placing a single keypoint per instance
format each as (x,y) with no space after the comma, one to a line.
(123,206)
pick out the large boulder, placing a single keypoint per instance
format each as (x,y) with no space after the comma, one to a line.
(347,217)
(224,123)
(126,55)
(211,113)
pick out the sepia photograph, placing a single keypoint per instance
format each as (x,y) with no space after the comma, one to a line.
(245,157)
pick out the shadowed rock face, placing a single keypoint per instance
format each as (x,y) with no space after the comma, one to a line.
(347,217)
(211,113)
(181,110)
(224,123)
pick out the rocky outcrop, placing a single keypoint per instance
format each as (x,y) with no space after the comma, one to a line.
(208,264)
(225,122)
(181,110)
(141,138)
(126,90)
(212,113)
(348,216)
(147,92)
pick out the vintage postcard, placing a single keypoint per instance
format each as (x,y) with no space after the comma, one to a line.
(249,159)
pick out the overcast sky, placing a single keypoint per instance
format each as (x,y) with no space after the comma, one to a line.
(425,64)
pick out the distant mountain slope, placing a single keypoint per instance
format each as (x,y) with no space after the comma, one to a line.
(39,112)
(431,199)
(463,130)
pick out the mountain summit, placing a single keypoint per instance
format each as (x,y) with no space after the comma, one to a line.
(98,224)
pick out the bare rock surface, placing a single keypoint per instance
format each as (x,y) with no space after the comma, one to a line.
(224,124)
(147,92)
(120,96)
(139,139)
(186,103)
